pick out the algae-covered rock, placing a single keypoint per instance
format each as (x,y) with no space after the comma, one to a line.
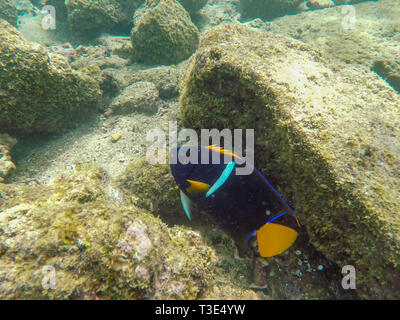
(326,135)
(362,40)
(98,56)
(320,4)
(163,33)
(6,165)
(140,96)
(117,45)
(8,11)
(88,18)
(165,78)
(39,92)
(390,71)
(69,240)
(268,9)
(193,6)
(152,187)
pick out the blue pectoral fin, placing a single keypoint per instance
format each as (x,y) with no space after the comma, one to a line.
(187,205)
(221,180)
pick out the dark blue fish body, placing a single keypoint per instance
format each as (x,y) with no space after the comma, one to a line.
(239,204)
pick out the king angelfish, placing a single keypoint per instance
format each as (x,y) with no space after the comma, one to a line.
(245,207)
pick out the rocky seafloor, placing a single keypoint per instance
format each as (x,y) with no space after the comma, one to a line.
(77,195)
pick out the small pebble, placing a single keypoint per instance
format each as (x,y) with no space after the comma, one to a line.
(115,137)
(298,273)
(300,263)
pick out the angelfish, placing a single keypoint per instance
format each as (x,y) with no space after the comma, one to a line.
(246,207)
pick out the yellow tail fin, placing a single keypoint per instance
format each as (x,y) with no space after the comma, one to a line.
(273,239)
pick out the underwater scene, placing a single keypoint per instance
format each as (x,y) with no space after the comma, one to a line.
(200,149)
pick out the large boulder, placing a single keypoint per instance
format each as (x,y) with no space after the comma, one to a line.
(38,90)
(326,134)
(163,33)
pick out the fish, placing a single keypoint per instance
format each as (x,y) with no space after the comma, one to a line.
(245,207)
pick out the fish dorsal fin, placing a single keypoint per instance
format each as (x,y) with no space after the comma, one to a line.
(273,239)
(197,187)
(222,178)
(221,150)
(186,205)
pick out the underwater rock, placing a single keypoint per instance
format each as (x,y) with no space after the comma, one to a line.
(88,18)
(390,71)
(128,8)
(332,31)
(325,133)
(163,33)
(193,6)
(165,78)
(268,9)
(39,92)
(141,96)
(54,246)
(115,45)
(6,165)
(145,185)
(319,4)
(216,13)
(98,56)
(109,84)
(66,50)
(8,11)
